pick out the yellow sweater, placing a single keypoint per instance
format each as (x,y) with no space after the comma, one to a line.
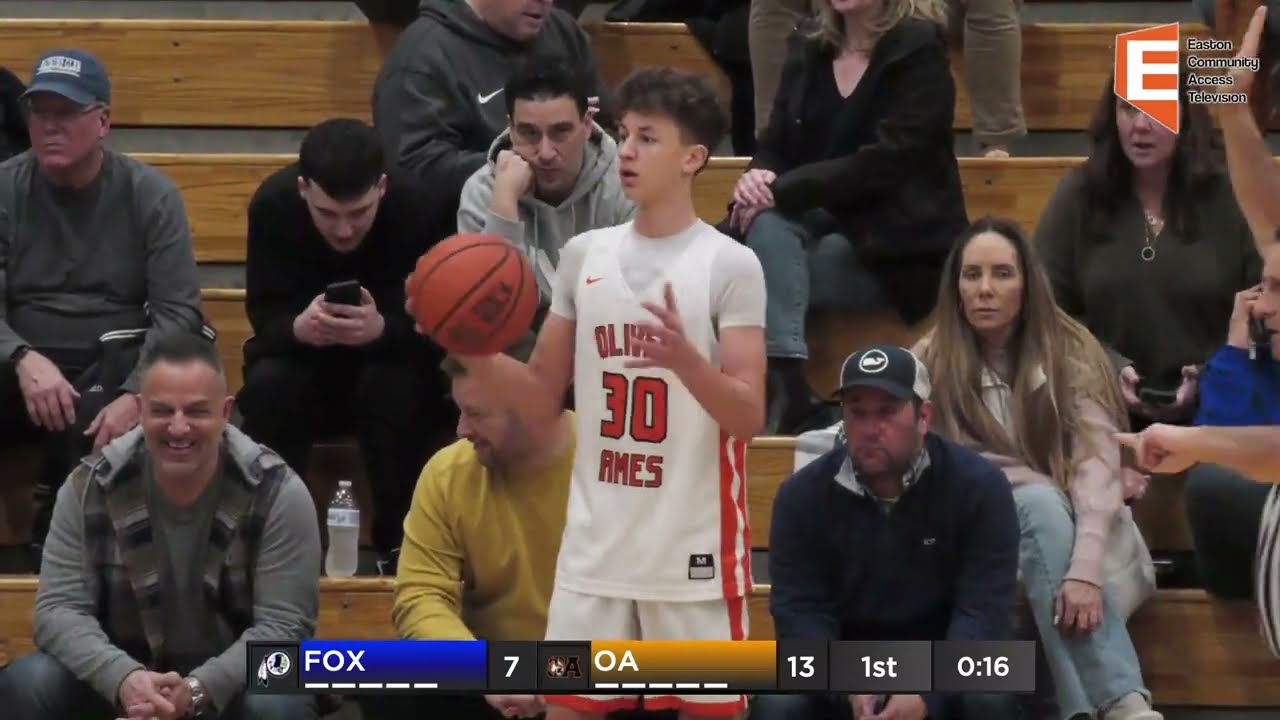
(479,552)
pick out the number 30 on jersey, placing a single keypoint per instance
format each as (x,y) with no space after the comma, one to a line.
(635,408)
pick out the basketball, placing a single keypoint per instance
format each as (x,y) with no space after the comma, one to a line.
(473,294)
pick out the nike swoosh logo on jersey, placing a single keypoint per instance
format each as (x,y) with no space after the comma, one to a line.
(486,98)
(593,280)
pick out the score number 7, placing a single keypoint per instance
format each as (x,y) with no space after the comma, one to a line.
(514,660)
(647,398)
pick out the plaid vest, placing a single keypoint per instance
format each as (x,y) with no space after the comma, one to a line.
(119,550)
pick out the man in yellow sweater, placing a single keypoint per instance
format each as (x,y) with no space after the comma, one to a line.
(481,539)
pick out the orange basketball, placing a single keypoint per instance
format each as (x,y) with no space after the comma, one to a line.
(474,294)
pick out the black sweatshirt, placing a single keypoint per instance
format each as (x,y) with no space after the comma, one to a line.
(289,263)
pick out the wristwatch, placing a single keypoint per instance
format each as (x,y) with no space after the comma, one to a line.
(18,354)
(200,704)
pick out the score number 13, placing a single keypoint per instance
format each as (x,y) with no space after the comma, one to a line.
(801,666)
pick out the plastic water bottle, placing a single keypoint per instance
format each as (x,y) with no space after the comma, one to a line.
(344,533)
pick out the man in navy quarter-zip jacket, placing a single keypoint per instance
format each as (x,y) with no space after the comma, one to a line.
(896,534)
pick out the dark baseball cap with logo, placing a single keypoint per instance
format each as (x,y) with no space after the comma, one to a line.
(73,74)
(890,368)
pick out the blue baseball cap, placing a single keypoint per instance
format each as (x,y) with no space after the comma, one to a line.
(73,74)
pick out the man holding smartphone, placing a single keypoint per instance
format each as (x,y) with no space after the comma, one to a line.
(331,239)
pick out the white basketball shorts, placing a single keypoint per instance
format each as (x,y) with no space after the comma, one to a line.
(574,616)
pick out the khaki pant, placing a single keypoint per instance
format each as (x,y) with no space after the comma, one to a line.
(991,31)
(992,36)
(771,23)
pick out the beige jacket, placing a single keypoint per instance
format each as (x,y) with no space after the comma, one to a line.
(1096,488)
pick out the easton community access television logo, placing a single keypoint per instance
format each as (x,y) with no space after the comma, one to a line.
(1147,69)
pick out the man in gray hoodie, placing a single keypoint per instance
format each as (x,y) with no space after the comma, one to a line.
(552,174)
(436,101)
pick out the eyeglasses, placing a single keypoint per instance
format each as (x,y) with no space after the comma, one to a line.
(59,117)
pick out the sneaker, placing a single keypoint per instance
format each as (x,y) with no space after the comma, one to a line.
(1131,707)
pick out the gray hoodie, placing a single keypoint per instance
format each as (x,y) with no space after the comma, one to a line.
(596,201)
(438,102)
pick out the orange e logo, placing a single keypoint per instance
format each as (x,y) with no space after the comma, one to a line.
(1147,72)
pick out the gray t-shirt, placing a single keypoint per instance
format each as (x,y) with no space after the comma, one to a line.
(191,633)
(75,264)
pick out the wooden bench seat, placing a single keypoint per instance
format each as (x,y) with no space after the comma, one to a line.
(1064,65)
(215,73)
(216,189)
(263,73)
(1194,651)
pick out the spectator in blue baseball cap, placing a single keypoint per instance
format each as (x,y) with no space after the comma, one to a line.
(67,104)
(97,259)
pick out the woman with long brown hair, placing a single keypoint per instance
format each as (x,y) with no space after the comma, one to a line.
(1016,378)
(1145,245)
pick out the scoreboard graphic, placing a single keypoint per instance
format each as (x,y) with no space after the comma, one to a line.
(640,667)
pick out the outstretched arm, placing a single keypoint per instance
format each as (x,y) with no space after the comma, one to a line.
(1250,451)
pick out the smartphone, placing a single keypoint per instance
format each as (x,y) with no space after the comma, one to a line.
(1259,336)
(1152,396)
(346,292)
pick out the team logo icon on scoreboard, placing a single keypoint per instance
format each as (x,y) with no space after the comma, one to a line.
(563,666)
(275,665)
(272,668)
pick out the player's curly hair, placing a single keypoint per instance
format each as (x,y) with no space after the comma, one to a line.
(690,100)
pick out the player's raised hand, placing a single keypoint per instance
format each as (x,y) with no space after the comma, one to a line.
(664,344)
(1242,77)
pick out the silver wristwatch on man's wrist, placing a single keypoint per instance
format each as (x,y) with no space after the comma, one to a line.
(199,699)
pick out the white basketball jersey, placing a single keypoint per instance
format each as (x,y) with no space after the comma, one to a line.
(657,504)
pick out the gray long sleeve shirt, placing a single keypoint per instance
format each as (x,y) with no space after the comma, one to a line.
(76,264)
(286,596)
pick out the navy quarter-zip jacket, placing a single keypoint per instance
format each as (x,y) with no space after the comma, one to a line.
(942,564)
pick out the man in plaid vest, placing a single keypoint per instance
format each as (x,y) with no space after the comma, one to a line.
(169,550)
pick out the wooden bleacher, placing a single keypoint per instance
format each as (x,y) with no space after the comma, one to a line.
(216,189)
(1215,658)
(279,73)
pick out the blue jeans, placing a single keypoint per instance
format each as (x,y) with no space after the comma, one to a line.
(826,707)
(38,687)
(800,271)
(1091,671)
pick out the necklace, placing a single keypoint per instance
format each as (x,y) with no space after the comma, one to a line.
(1152,226)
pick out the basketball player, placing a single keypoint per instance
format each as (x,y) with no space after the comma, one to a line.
(659,324)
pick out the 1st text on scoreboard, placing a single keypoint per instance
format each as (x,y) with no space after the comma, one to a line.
(641,667)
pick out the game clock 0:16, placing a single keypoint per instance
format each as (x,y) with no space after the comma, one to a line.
(994,666)
(983,666)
